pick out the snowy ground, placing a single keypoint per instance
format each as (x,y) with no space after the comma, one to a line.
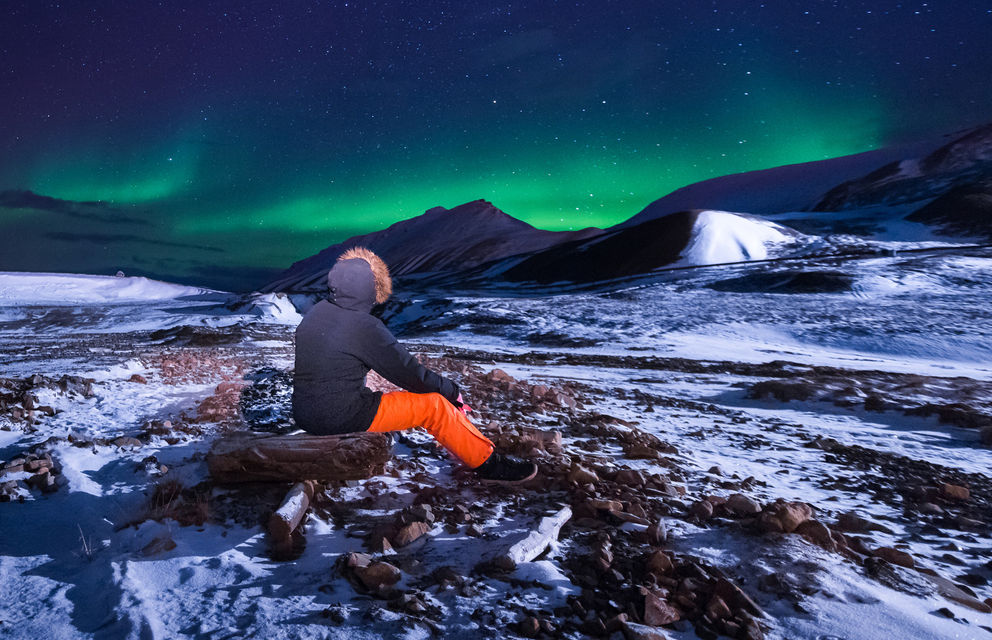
(678,354)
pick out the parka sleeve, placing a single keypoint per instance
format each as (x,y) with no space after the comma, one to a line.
(387,357)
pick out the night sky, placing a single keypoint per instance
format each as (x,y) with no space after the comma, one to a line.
(224,140)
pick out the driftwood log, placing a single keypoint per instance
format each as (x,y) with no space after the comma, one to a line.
(254,457)
(288,516)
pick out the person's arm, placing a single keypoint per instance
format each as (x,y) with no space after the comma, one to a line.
(387,357)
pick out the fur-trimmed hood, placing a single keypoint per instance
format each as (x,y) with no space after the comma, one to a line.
(359,280)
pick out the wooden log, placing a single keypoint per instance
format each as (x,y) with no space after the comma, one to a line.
(535,542)
(289,515)
(254,457)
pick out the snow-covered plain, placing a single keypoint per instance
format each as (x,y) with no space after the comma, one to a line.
(83,563)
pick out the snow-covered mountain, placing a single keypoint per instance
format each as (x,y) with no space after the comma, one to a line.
(966,159)
(439,240)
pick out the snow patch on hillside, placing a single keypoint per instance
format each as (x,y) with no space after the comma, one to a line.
(720,236)
(68,288)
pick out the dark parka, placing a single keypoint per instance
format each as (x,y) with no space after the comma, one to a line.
(337,343)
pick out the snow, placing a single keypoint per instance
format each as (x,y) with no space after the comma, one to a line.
(720,237)
(68,289)
(920,314)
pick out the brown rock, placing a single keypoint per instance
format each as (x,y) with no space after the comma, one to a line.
(378,574)
(735,597)
(159,545)
(954,593)
(581,475)
(606,505)
(784,517)
(701,510)
(741,505)
(659,563)
(630,477)
(657,612)
(410,532)
(895,556)
(140,379)
(529,627)
(717,609)
(358,560)
(954,492)
(817,533)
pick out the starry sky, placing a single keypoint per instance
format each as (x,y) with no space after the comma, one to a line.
(217,142)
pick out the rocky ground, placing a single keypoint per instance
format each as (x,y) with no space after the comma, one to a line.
(701,501)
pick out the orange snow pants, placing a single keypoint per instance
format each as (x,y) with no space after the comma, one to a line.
(399,410)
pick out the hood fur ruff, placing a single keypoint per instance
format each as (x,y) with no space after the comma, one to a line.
(383,283)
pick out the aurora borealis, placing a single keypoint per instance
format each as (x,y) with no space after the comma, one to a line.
(218,142)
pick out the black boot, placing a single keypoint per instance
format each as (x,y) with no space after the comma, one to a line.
(506,469)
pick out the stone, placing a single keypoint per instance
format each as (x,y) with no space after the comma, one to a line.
(717,609)
(701,510)
(529,627)
(581,475)
(354,560)
(659,563)
(378,574)
(630,477)
(930,509)
(137,377)
(817,533)
(895,556)
(741,505)
(954,492)
(606,505)
(784,517)
(735,597)
(657,612)
(159,545)
(125,441)
(421,513)
(410,532)
(657,533)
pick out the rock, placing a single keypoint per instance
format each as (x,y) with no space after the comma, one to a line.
(701,510)
(735,598)
(410,532)
(140,379)
(581,475)
(817,533)
(160,544)
(657,533)
(717,609)
(954,593)
(474,531)
(420,513)
(954,492)
(659,563)
(355,560)
(632,631)
(529,627)
(606,505)
(784,517)
(741,505)
(657,612)
(125,441)
(895,556)
(931,509)
(630,477)
(498,375)
(378,574)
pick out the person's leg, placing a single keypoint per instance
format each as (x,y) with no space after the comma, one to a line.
(399,410)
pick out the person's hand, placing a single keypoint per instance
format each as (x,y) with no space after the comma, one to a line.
(464,408)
